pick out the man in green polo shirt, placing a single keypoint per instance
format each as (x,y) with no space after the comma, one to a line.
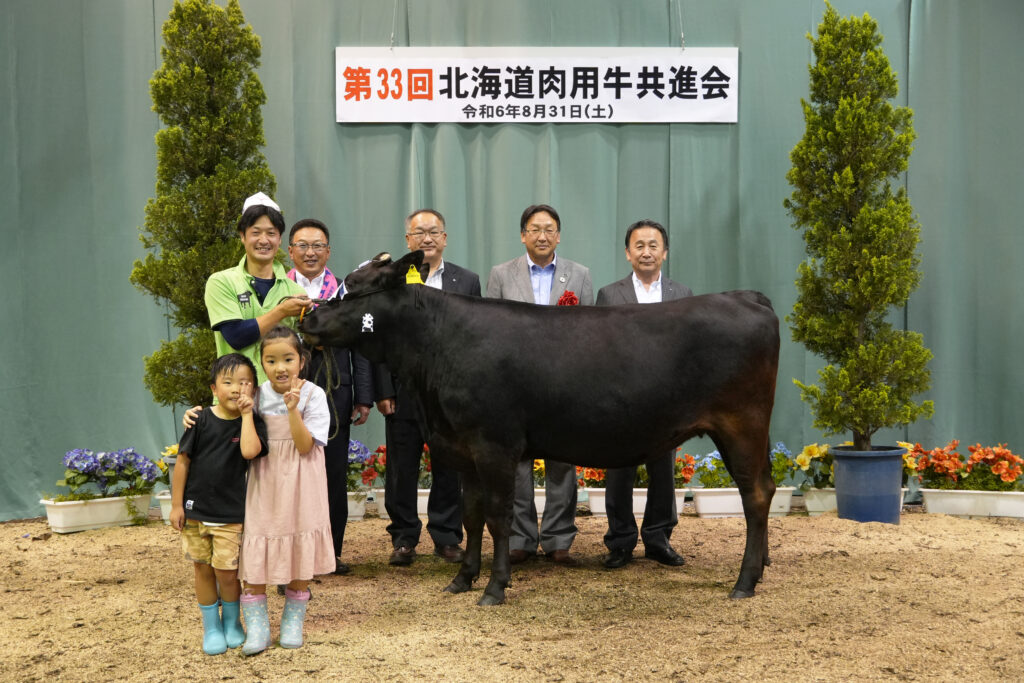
(248,300)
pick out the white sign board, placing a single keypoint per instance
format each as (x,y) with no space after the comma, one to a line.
(536,85)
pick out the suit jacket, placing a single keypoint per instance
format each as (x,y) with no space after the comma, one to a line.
(622,292)
(511,280)
(455,279)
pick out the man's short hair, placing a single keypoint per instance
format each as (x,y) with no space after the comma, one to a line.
(537,208)
(309,223)
(417,212)
(647,223)
(253,213)
(228,363)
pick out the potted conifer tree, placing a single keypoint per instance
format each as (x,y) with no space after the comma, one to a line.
(209,159)
(861,238)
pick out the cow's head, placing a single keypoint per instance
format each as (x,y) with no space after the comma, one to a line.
(350,321)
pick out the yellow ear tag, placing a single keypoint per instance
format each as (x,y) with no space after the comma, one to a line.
(413,277)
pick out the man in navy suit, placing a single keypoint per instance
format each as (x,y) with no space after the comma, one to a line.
(646,250)
(425,231)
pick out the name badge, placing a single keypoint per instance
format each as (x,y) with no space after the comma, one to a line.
(243,298)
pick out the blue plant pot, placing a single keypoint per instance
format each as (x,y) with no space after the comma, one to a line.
(869,483)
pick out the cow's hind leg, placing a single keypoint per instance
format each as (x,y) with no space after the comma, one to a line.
(746,457)
(473,520)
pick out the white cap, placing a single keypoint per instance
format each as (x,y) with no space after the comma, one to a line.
(260,199)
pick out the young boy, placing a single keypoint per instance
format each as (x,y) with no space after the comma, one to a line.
(208,495)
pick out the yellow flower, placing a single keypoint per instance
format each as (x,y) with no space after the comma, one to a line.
(162,465)
(812,451)
(170,450)
(904,444)
(803,460)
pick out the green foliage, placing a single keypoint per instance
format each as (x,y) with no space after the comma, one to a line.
(860,236)
(209,160)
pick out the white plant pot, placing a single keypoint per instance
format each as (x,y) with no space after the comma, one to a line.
(639,501)
(971,504)
(712,503)
(79,515)
(781,501)
(164,498)
(820,501)
(357,505)
(540,497)
(422,498)
(596,497)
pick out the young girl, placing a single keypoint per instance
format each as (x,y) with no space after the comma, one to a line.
(287,537)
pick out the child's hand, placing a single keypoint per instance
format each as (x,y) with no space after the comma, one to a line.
(190,416)
(291,397)
(244,401)
(177,518)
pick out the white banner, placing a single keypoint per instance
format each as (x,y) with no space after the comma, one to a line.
(536,85)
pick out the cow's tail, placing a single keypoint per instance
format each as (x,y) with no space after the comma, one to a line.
(753,297)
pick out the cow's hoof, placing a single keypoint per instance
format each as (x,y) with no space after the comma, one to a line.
(456,587)
(739,594)
(767,561)
(490,600)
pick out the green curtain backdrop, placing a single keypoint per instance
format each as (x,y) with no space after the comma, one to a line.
(77,165)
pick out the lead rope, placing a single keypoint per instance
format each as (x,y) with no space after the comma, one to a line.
(332,379)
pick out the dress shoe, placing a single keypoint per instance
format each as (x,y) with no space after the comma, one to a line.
(665,555)
(402,556)
(449,553)
(340,568)
(519,556)
(617,558)
(563,558)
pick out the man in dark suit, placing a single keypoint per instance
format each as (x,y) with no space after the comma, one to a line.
(346,377)
(424,230)
(646,250)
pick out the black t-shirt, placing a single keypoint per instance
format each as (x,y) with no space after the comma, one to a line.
(215,488)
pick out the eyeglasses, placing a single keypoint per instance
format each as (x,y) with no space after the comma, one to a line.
(420,234)
(318,247)
(548,232)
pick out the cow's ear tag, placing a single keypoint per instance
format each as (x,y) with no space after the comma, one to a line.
(413,277)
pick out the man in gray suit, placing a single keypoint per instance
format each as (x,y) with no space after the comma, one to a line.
(646,250)
(540,277)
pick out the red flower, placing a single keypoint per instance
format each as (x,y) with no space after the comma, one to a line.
(569,298)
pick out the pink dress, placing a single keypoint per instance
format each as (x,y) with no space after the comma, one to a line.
(287,531)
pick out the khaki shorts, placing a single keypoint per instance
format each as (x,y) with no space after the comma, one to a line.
(217,546)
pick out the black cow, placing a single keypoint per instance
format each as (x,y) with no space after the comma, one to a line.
(498,382)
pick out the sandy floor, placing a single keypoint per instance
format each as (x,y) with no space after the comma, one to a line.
(935,598)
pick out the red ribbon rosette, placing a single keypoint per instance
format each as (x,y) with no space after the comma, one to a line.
(569,298)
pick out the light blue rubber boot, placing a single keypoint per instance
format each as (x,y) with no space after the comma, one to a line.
(293,618)
(257,624)
(213,632)
(233,633)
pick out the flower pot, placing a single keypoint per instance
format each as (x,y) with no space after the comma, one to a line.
(377,497)
(356,505)
(597,506)
(540,496)
(869,483)
(819,501)
(781,501)
(164,498)
(712,503)
(639,501)
(422,498)
(971,504)
(79,515)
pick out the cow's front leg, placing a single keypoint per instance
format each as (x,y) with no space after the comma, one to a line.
(498,506)
(473,521)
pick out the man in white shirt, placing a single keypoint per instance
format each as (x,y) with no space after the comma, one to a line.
(425,231)
(646,250)
(349,387)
